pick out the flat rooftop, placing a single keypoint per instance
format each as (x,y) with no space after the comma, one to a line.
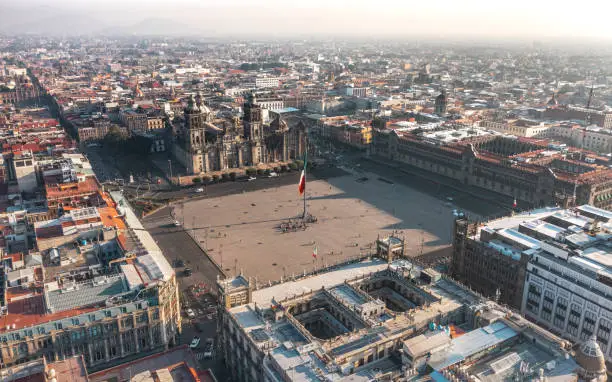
(265,297)
(582,233)
(348,295)
(72,259)
(83,294)
(241,230)
(471,343)
(150,262)
(504,366)
(515,220)
(178,363)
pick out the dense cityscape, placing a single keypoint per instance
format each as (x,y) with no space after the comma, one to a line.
(190,209)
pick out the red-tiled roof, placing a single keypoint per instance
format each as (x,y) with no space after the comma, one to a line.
(110,217)
(66,190)
(31,311)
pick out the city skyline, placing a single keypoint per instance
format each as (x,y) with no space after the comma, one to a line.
(340,18)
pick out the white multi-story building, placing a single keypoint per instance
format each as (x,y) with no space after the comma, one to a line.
(568,284)
(25,172)
(591,138)
(519,128)
(266,82)
(271,103)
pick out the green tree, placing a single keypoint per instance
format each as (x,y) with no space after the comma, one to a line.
(378,123)
(114,137)
(138,144)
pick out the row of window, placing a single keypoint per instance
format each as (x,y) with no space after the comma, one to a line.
(591,323)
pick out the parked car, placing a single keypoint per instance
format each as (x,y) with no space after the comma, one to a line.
(187,272)
(199,190)
(190,313)
(251,178)
(208,348)
(179,263)
(195,342)
(177,223)
(273,175)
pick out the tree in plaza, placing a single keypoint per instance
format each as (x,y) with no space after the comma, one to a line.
(114,137)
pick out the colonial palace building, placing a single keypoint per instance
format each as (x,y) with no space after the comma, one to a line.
(533,171)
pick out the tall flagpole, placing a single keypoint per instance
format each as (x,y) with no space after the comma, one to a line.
(305,163)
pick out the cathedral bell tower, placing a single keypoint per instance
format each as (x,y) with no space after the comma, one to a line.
(253,129)
(195,138)
(194,126)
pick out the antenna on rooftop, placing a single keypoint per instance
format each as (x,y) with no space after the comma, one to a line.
(588,107)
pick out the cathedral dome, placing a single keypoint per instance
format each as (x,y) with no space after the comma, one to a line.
(590,357)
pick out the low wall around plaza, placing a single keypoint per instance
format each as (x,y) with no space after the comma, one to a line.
(229,174)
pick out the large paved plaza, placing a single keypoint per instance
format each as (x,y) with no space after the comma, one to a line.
(241,230)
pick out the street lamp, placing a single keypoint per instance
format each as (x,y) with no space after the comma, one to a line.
(170,165)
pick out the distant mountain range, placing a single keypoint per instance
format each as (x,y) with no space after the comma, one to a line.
(44,20)
(238,19)
(152,27)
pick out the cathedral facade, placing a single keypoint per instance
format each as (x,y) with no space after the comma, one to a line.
(203,144)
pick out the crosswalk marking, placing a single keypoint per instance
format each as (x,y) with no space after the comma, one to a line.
(200,356)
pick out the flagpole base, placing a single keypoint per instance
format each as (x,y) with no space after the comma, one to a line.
(299,223)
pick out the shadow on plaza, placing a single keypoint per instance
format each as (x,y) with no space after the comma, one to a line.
(415,210)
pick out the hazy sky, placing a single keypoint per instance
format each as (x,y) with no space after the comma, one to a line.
(521,18)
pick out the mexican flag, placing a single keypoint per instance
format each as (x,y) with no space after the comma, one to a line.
(514,203)
(314,252)
(302,184)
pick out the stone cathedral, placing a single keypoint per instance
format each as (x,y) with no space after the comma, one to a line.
(204,144)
